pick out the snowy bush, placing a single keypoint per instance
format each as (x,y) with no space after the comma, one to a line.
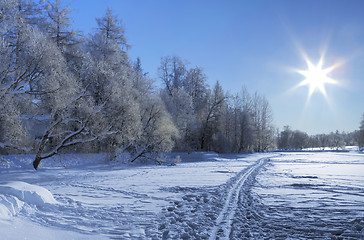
(177,160)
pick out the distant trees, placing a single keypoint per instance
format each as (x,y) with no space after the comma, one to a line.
(292,140)
(212,132)
(298,140)
(211,119)
(62,92)
(361,133)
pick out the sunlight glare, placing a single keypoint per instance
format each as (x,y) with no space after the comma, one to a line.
(316,77)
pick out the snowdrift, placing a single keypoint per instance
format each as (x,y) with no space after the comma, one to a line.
(15,196)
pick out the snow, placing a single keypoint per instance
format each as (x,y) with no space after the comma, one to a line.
(17,196)
(225,218)
(28,193)
(321,193)
(207,196)
(18,228)
(9,206)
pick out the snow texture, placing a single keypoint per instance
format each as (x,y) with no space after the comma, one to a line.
(206,196)
(28,193)
(226,216)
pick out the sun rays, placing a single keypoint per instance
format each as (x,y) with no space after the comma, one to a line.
(317,77)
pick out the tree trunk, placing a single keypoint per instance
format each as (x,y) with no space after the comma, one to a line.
(36,162)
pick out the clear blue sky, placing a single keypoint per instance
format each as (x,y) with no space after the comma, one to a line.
(256,44)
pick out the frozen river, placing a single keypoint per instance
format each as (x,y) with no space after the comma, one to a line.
(207,196)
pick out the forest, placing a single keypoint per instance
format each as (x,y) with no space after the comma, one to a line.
(63,91)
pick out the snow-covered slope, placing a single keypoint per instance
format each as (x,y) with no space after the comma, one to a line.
(28,193)
(19,201)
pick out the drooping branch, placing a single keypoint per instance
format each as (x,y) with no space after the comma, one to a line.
(71,138)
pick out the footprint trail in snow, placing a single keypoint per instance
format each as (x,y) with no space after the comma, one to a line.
(208,213)
(224,222)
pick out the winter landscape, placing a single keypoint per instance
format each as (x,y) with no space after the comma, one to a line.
(304,195)
(181,119)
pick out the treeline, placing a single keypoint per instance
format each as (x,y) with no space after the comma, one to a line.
(211,119)
(62,91)
(297,140)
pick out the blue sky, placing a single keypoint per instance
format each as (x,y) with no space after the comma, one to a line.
(256,44)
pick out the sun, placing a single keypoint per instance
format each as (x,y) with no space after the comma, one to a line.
(316,77)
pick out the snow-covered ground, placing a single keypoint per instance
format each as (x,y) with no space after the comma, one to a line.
(311,195)
(207,196)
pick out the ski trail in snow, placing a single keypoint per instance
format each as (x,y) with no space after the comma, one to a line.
(226,216)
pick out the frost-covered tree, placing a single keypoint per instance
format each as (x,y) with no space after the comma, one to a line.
(262,122)
(110,37)
(112,30)
(17,70)
(293,140)
(134,113)
(212,118)
(208,119)
(180,107)
(89,96)
(13,133)
(179,103)
(59,24)
(172,72)
(111,86)
(141,82)
(35,82)
(324,141)
(59,29)
(158,132)
(246,122)
(299,140)
(195,85)
(285,139)
(232,121)
(72,116)
(337,140)
(112,89)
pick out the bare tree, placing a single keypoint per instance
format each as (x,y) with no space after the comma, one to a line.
(172,72)
(246,122)
(212,117)
(262,120)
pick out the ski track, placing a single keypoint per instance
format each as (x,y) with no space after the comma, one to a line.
(239,207)
(224,221)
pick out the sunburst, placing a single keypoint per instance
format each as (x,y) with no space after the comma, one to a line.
(316,77)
